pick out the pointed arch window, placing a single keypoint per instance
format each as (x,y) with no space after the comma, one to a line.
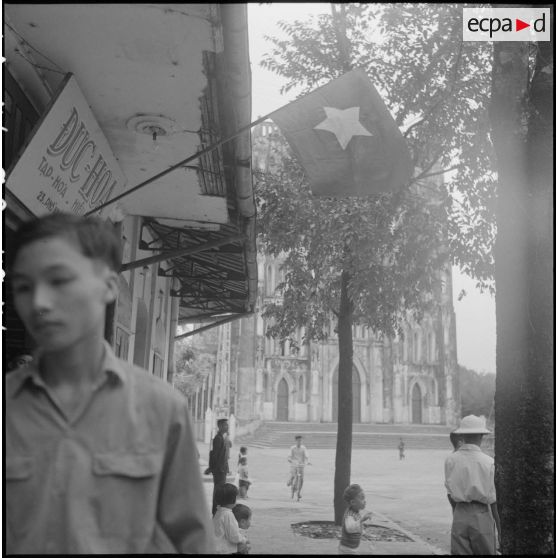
(269,280)
(301,389)
(416,346)
(431,347)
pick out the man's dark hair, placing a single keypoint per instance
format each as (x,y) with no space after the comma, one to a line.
(241,511)
(243,449)
(454,439)
(298,436)
(472,438)
(225,494)
(96,239)
(222,421)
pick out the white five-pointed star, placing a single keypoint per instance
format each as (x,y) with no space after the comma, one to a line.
(343,123)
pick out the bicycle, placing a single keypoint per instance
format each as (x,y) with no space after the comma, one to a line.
(298,479)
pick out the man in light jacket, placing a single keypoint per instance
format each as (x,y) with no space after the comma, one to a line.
(469,475)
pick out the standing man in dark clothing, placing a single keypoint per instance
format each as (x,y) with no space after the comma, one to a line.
(219,457)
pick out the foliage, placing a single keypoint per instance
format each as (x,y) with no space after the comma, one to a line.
(436,86)
(191,367)
(389,247)
(477,392)
(383,252)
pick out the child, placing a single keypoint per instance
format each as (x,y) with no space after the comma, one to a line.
(243,515)
(225,526)
(81,418)
(242,453)
(401,447)
(351,528)
(243,480)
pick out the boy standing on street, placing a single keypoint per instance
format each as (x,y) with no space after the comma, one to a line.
(100,455)
(351,526)
(401,448)
(244,481)
(469,477)
(228,536)
(243,516)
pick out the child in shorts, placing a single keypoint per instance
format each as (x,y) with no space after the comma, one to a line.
(243,515)
(351,527)
(243,479)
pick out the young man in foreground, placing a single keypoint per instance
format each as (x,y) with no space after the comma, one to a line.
(100,455)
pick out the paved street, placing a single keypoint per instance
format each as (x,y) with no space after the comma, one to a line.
(408,492)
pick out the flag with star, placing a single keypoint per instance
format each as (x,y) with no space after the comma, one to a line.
(345,139)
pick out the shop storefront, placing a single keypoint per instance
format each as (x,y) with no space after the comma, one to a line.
(99,99)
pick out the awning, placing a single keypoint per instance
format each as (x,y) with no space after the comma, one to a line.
(163,81)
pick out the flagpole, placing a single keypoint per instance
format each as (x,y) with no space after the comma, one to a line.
(184,162)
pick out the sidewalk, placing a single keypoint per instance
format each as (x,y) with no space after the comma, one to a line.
(271,532)
(274,513)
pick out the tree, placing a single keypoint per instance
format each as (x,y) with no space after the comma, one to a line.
(477,392)
(436,86)
(374,260)
(192,367)
(521,118)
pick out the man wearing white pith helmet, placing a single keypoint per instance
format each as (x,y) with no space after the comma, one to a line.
(469,477)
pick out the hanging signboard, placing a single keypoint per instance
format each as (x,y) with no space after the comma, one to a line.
(67,165)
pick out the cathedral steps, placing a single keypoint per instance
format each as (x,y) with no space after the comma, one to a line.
(365,436)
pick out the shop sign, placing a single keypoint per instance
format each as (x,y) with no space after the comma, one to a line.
(67,165)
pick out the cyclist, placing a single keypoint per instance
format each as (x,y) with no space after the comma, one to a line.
(298,458)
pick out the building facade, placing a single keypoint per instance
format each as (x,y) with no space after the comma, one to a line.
(409,380)
(101,98)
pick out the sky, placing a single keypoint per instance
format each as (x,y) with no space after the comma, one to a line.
(475,313)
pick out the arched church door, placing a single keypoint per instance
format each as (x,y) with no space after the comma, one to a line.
(283,400)
(335,396)
(417,405)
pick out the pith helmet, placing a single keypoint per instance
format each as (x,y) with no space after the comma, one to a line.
(471,424)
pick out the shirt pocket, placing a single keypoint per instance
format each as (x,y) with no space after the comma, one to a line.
(21,494)
(126,492)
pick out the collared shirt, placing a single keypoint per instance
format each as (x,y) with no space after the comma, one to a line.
(469,475)
(298,455)
(120,474)
(227,532)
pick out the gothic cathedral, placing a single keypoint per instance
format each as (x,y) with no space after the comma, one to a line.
(410,380)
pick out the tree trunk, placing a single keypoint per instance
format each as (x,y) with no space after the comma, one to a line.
(345,400)
(524,400)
